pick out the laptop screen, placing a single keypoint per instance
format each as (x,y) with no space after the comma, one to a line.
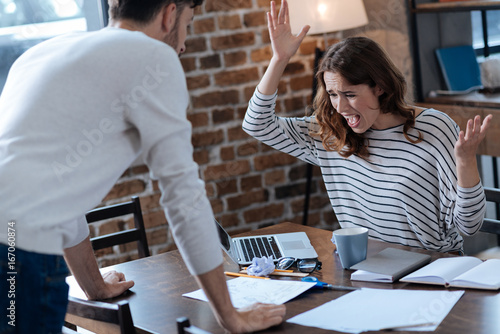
(223,236)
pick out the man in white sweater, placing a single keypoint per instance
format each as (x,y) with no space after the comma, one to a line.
(75,112)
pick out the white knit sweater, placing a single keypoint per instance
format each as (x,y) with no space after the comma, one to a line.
(75,112)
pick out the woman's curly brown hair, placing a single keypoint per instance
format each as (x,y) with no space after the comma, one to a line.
(359,60)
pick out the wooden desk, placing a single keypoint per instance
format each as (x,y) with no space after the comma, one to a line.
(156,300)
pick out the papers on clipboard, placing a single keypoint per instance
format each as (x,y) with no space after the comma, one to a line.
(378,309)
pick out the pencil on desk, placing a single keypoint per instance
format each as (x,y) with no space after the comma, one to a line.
(228,273)
(281,273)
(276,270)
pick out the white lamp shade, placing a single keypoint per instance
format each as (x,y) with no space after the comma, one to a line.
(326,15)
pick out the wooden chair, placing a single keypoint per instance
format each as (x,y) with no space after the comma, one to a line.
(184,327)
(491,225)
(138,233)
(100,317)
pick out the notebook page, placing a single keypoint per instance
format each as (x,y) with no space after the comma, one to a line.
(443,270)
(486,275)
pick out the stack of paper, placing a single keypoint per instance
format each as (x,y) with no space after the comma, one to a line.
(245,291)
(379,309)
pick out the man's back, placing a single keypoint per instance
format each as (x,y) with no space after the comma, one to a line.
(68,105)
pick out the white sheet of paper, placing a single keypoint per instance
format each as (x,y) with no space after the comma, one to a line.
(245,291)
(377,309)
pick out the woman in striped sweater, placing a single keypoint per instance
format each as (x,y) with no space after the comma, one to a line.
(407,174)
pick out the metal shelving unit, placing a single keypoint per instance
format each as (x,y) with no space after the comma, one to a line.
(444,7)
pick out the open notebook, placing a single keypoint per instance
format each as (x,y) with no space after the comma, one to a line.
(460,272)
(243,249)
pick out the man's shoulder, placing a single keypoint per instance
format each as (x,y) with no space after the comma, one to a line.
(122,39)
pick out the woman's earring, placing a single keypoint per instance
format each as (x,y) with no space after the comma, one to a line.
(331,112)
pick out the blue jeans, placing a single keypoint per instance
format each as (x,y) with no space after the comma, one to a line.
(33,292)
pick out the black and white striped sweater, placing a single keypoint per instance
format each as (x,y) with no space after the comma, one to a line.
(403,193)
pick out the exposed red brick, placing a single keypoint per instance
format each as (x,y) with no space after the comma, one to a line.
(264,213)
(255,19)
(294,68)
(149,202)
(210,189)
(204,25)
(198,119)
(274,177)
(155,185)
(207,138)
(157,237)
(188,64)
(227,78)
(220,98)
(249,148)
(198,82)
(303,82)
(111,226)
(228,220)
(236,133)
(201,157)
(225,187)
(251,182)
(232,41)
(222,115)
(126,188)
(227,153)
(217,205)
(273,160)
(261,54)
(153,219)
(142,169)
(212,61)
(226,170)
(196,44)
(245,199)
(229,22)
(308,47)
(226,5)
(235,58)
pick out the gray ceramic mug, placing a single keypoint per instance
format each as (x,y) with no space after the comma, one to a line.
(352,243)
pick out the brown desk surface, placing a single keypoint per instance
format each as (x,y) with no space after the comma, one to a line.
(160,280)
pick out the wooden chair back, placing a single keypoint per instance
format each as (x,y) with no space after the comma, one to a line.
(184,327)
(137,233)
(492,225)
(100,317)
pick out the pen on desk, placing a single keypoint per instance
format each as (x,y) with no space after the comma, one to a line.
(340,287)
(228,273)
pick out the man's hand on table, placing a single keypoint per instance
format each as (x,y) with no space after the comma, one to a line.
(114,285)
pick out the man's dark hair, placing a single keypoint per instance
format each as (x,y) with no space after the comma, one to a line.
(143,11)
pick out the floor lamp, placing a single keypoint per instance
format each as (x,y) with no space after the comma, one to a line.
(324,16)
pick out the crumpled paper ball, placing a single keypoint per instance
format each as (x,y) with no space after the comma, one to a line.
(262,266)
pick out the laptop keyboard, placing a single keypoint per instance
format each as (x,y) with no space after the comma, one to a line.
(259,247)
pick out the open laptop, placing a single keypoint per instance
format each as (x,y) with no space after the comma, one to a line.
(243,249)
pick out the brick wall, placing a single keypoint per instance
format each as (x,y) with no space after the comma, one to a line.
(249,184)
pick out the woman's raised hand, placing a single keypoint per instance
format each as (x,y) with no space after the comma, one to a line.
(283,42)
(466,150)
